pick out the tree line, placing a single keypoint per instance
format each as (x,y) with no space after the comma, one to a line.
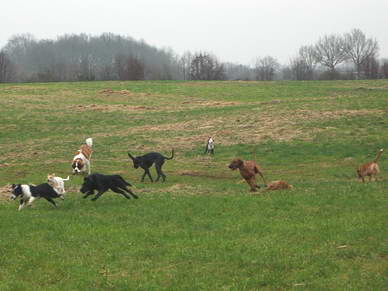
(114,57)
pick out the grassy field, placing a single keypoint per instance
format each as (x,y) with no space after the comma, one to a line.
(201,229)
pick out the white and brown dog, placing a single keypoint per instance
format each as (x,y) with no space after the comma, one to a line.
(57,183)
(209,149)
(81,161)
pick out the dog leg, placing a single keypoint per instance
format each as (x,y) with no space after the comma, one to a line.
(49,199)
(147,172)
(262,176)
(99,194)
(88,194)
(21,204)
(117,190)
(252,183)
(88,164)
(158,167)
(130,192)
(30,201)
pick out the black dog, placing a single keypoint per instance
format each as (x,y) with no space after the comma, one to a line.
(147,160)
(29,193)
(103,183)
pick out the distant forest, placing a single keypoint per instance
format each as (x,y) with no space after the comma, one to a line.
(114,57)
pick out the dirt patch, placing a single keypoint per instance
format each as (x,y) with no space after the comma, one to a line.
(335,114)
(19,88)
(109,91)
(111,108)
(184,189)
(5,192)
(270,102)
(252,128)
(210,103)
(201,174)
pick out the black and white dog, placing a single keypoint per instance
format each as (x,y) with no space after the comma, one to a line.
(28,193)
(210,146)
(103,183)
(147,160)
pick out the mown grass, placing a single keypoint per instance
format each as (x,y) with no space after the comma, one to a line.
(201,229)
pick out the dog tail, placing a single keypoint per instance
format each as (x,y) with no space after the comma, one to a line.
(89,142)
(378,155)
(67,179)
(172,155)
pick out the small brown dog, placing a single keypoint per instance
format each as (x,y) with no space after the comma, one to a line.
(370,169)
(248,170)
(278,185)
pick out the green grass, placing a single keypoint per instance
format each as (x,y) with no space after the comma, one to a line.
(201,229)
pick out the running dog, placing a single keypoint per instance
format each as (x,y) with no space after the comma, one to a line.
(248,170)
(29,193)
(147,160)
(370,169)
(81,161)
(57,183)
(103,183)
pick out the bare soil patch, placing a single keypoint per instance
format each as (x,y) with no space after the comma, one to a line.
(193,173)
(109,91)
(5,192)
(111,108)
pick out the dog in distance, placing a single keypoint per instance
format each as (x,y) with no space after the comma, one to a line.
(209,149)
(370,169)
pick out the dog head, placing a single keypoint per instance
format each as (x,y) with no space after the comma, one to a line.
(136,161)
(77,166)
(51,177)
(359,173)
(235,164)
(88,185)
(16,190)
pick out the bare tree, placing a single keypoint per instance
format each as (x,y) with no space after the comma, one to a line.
(86,68)
(5,68)
(370,66)
(330,51)
(308,58)
(299,69)
(204,66)
(184,65)
(384,68)
(359,48)
(129,68)
(265,68)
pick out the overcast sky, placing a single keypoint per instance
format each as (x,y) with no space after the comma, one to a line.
(236,31)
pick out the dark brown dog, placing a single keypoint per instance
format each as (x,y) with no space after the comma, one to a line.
(248,170)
